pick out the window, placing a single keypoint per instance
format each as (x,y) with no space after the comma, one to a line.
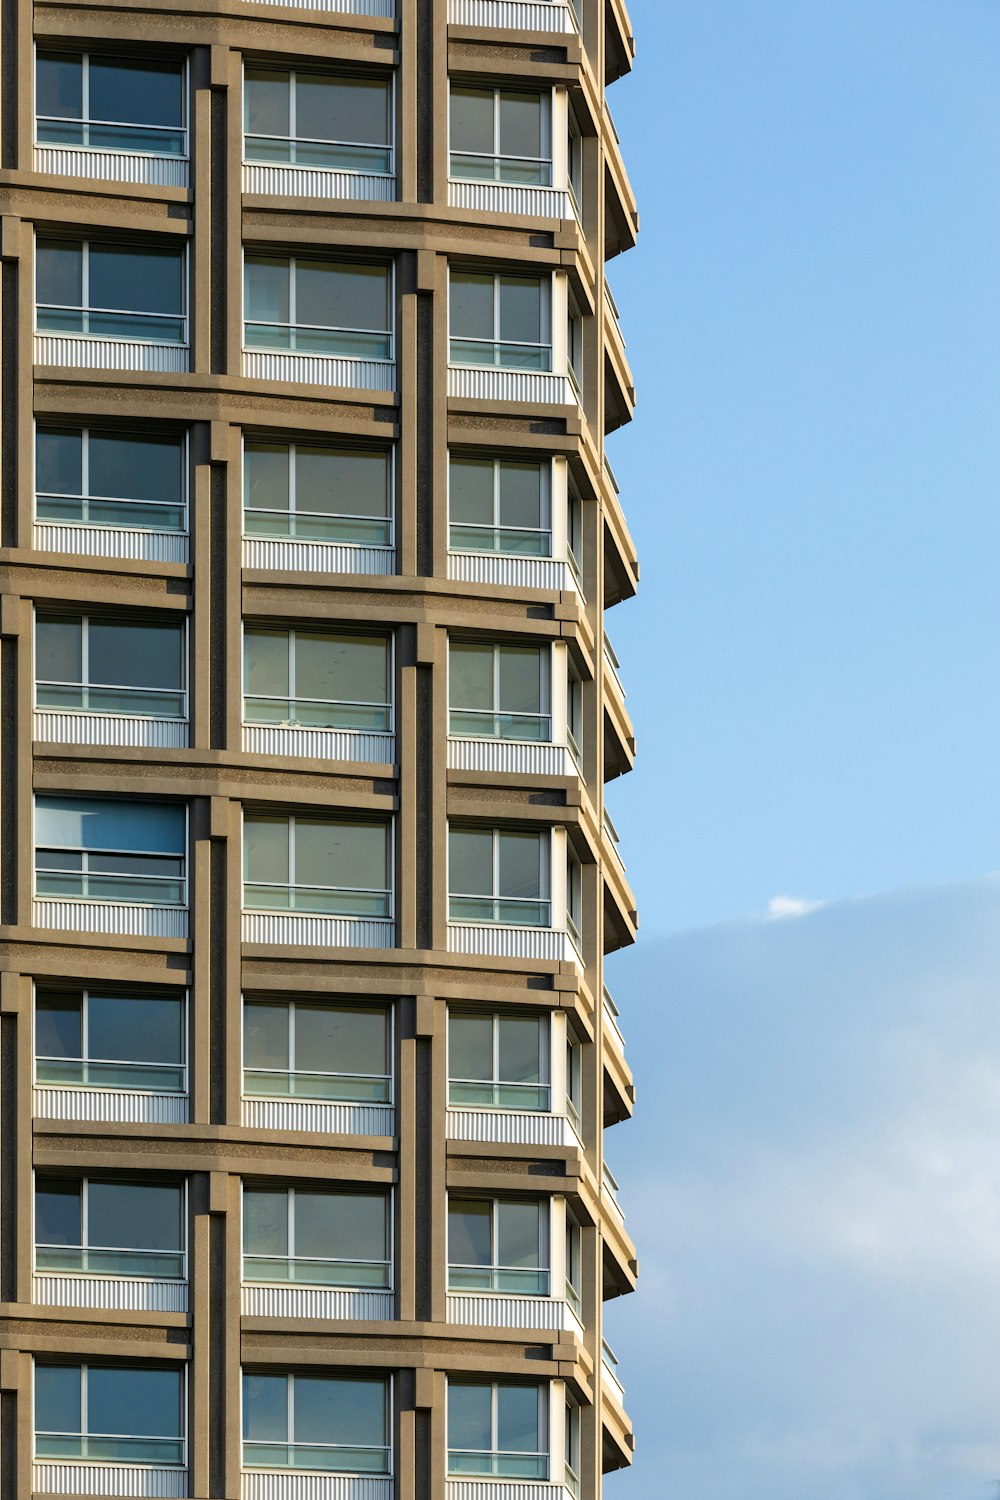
(112,291)
(322,865)
(571,1433)
(317,119)
(90,849)
(499,505)
(315,493)
(573,1075)
(574,899)
(304,1050)
(316,679)
(574,352)
(314,1237)
(131,1414)
(113,1228)
(498,1245)
(499,320)
(333,1424)
(317,307)
(501,135)
(498,875)
(98,478)
(572,1290)
(110,103)
(121,664)
(495,1429)
(574,538)
(498,692)
(112,1041)
(574,719)
(498,1061)
(574,164)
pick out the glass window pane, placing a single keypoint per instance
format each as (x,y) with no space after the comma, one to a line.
(521,311)
(265,850)
(341,1226)
(58,462)
(58,1211)
(520,671)
(136,279)
(470,1047)
(266,290)
(127,1028)
(265,663)
(57,1398)
(59,273)
(470,1233)
(58,649)
(519,1234)
(93,824)
(265,102)
(265,1034)
(58,1020)
(135,1215)
(333,295)
(472,121)
(470,490)
(140,1402)
(470,676)
(136,653)
(519,863)
(136,466)
(517,1419)
(470,861)
(136,92)
(471,304)
(520,1049)
(333,1410)
(339,1039)
(521,495)
(339,482)
(520,124)
(265,1408)
(346,855)
(470,1422)
(265,1221)
(346,668)
(265,474)
(342,109)
(59,86)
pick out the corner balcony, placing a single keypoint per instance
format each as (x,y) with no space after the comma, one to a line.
(514,200)
(501,383)
(559,16)
(498,567)
(618,1439)
(509,1114)
(507,940)
(518,743)
(155,1481)
(495,1309)
(507,1489)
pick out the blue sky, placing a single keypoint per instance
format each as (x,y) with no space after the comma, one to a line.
(813,317)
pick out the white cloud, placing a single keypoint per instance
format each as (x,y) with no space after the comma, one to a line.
(791,906)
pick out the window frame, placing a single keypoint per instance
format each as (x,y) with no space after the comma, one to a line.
(543,903)
(495,1273)
(543,1089)
(84,1247)
(546,114)
(495,1453)
(86,685)
(84,1365)
(182,502)
(183,879)
(85,54)
(385,1193)
(388,1010)
(84,242)
(293,258)
(84,993)
(293,446)
(546,487)
(386,824)
(388,1383)
(543,716)
(306,627)
(496,343)
(291,71)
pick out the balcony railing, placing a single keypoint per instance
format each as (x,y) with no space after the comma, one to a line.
(515,15)
(611,1014)
(609,1365)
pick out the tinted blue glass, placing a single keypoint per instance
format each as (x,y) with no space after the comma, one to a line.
(136,466)
(331,1410)
(59,85)
(137,92)
(88,822)
(58,462)
(136,279)
(131,1401)
(265,1407)
(57,1025)
(130,1029)
(57,1211)
(57,1398)
(470,1416)
(59,273)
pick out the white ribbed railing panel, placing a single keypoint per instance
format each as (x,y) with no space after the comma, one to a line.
(52,727)
(109,354)
(320,744)
(116,1293)
(108,1479)
(384,9)
(320,369)
(505,1489)
(276,929)
(500,941)
(316,1302)
(115,1106)
(283,181)
(525,758)
(511,572)
(324,1119)
(119,919)
(508,198)
(509,1127)
(513,15)
(272,554)
(313,1487)
(485,1311)
(112,541)
(113,166)
(473,383)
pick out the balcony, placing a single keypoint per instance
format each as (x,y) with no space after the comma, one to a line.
(112,166)
(80,352)
(139,731)
(621,562)
(150,1293)
(521,387)
(277,1300)
(537,1314)
(619,1089)
(509,940)
(621,218)
(511,1489)
(513,200)
(53,1477)
(619,382)
(618,1439)
(291,180)
(619,733)
(557,16)
(268,1484)
(369,747)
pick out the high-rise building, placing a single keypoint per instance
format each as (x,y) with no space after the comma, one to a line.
(307,361)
